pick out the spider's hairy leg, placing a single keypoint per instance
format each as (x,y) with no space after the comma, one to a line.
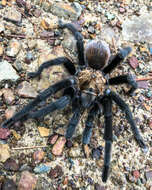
(125,108)
(61,103)
(58,61)
(87,133)
(73,122)
(41,97)
(78,37)
(108,135)
(128,79)
(118,58)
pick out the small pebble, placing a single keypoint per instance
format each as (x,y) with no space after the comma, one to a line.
(9,96)
(136,174)
(148,175)
(4,152)
(122,10)
(27,181)
(29,57)
(11,165)
(25,89)
(91,30)
(44,132)
(9,184)
(4,133)
(10,111)
(52,139)
(56,172)
(42,169)
(96,153)
(58,146)
(38,156)
(98,187)
(133,61)
(13,48)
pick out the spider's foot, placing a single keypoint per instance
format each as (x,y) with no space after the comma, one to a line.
(7,123)
(142,145)
(105,173)
(32,74)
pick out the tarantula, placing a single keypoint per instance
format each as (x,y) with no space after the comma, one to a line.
(88,89)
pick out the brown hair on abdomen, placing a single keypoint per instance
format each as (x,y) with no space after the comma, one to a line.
(97,54)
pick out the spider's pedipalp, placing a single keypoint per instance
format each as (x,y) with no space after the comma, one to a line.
(97,54)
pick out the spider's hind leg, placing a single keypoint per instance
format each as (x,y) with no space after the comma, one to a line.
(125,108)
(108,135)
(79,38)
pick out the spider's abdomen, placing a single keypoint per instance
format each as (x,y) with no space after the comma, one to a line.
(97,54)
(90,79)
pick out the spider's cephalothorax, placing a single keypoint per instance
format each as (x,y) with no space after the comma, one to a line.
(91,79)
(86,90)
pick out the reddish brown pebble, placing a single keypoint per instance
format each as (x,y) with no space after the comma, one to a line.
(98,187)
(52,139)
(8,96)
(58,146)
(150,123)
(56,172)
(142,84)
(136,174)
(133,61)
(11,165)
(27,182)
(4,133)
(10,112)
(38,156)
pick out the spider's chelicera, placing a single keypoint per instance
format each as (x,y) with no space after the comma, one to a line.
(88,89)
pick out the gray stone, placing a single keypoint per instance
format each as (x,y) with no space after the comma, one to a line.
(13,48)
(7,72)
(138,29)
(65,10)
(26,90)
(13,14)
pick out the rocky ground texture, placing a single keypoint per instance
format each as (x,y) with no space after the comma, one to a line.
(35,154)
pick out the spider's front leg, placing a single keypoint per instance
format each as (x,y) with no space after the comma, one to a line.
(108,135)
(23,113)
(125,108)
(118,58)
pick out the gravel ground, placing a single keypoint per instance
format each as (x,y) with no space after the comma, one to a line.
(29,35)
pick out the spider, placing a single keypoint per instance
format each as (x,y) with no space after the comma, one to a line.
(87,89)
